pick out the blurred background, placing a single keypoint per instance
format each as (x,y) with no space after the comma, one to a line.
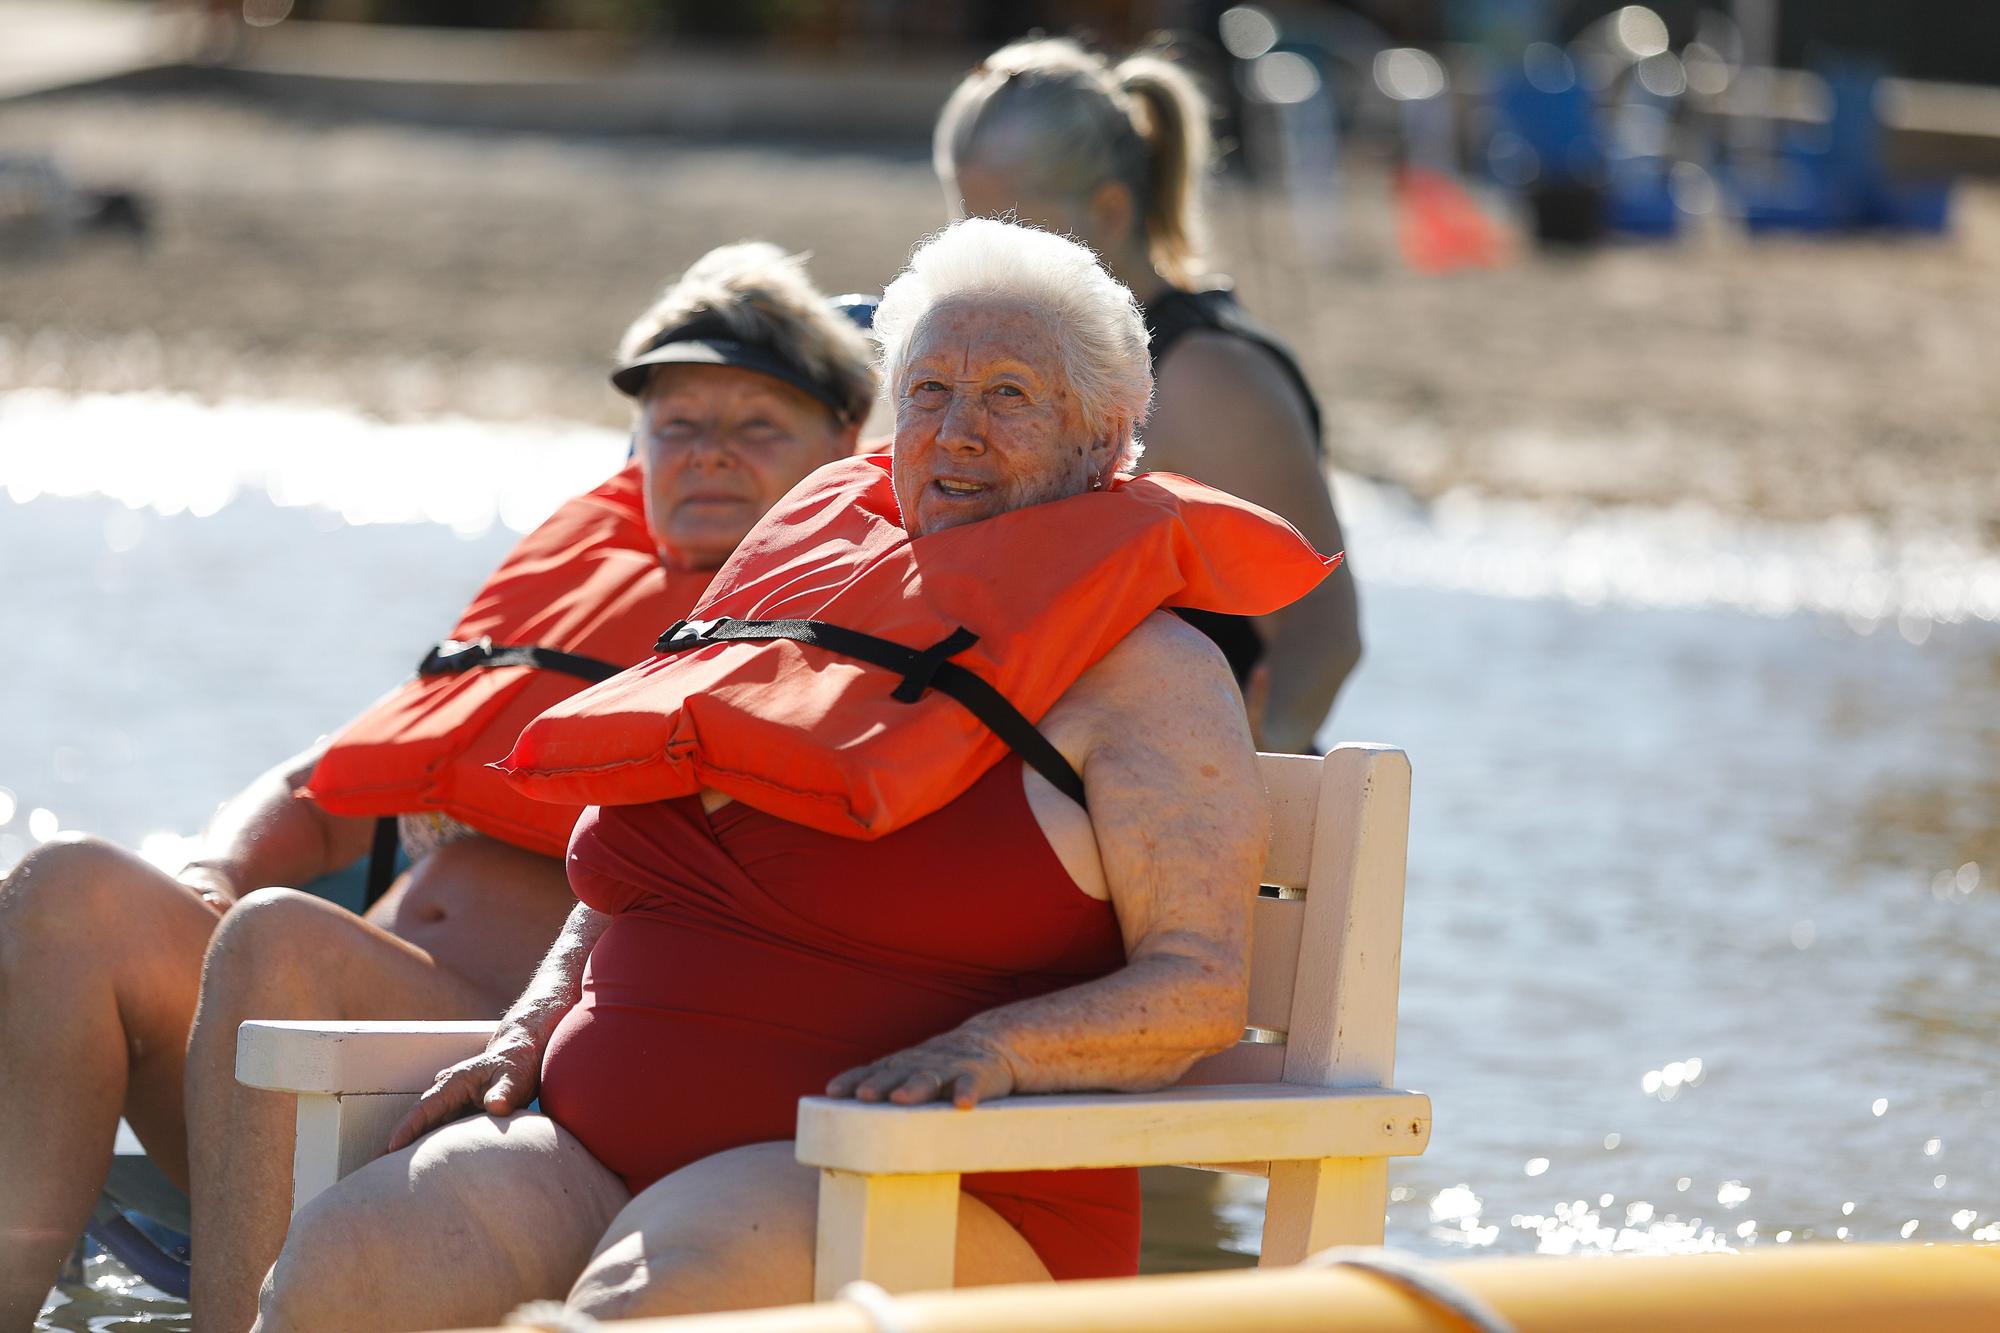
(1658,351)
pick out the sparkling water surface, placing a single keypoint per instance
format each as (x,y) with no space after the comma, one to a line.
(1698,947)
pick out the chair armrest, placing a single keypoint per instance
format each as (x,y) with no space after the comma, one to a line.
(350,1058)
(1246,1123)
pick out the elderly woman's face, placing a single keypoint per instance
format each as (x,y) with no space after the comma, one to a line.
(985,420)
(719,447)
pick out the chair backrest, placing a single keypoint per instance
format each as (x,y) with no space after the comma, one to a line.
(1326,952)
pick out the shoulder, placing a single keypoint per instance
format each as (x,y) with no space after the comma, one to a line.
(1226,412)
(1162,642)
(1164,748)
(1163,686)
(1214,386)
(1214,362)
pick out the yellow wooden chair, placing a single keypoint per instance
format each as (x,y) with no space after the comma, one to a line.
(1305,1097)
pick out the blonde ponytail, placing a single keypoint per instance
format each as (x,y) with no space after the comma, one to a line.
(1177,133)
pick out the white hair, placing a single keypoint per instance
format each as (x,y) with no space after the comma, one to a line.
(1100,334)
(763,295)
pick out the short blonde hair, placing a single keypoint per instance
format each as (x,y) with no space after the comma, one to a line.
(764,296)
(1099,331)
(1142,122)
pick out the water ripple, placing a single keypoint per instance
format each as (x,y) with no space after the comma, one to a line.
(173,454)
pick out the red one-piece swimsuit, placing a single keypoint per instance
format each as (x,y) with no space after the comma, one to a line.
(749,960)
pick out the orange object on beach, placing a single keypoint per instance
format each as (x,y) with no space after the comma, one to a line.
(586,590)
(1439,226)
(1025,601)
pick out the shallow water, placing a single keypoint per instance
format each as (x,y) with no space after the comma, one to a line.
(1703,848)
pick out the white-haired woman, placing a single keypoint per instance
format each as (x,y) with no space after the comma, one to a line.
(744,380)
(1116,156)
(953,917)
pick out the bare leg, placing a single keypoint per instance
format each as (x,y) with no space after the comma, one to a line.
(100,959)
(735,1231)
(451,1232)
(282,954)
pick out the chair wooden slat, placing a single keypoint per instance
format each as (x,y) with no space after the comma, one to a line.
(1291,784)
(1275,924)
(1245,1062)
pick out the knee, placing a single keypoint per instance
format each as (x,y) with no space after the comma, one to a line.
(267,931)
(633,1280)
(68,888)
(325,1268)
(734,1231)
(265,952)
(704,1274)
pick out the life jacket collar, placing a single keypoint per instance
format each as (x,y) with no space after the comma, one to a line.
(767,695)
(579,599)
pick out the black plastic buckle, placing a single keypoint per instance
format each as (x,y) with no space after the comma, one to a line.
(685,634)
(455,656)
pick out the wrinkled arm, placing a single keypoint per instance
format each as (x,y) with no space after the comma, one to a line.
(558,981)
(1179,817)
(1228,415)
(266,835)
(507,1075)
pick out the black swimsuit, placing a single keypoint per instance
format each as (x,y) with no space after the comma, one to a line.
(1170,316)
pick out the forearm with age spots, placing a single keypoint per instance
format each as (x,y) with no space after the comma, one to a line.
(1178,815)
(1139,1028)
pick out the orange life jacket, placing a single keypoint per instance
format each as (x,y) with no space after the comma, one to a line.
(584,588)
(812,735)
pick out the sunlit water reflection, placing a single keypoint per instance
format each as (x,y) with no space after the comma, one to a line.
(1703,864)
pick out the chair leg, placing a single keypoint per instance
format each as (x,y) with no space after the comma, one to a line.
(1324,1202)
(338,1134)
(899,1232)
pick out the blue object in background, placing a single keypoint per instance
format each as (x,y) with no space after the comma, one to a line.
(1639,200)
(858,307)
(1549,144)
(151,1249)
(1834,179)
(1557,126)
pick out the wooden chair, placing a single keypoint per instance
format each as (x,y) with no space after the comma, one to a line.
(1304,1098)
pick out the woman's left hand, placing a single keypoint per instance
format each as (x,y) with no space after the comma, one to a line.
(961,1066)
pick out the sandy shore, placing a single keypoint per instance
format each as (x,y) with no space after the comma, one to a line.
(412,272)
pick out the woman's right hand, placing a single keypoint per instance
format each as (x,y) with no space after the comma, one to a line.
(501,1079)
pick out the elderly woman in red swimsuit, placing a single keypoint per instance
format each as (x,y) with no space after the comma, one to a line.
(1028,935)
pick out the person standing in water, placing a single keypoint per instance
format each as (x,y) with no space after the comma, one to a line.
(1116,156)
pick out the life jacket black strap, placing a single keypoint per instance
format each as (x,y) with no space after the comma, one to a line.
(1173,314)
(921,669)
(381,861)
(453,657)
